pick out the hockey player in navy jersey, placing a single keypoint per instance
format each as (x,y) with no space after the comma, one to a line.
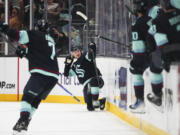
(39,49)
(166,31)
(146,10)
(87,73)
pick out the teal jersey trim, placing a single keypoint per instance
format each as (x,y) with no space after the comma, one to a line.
(87,81)
(138,46)
(23,37)
(160,39)
(153,12)
(44,73)
(87,57)
(175,3)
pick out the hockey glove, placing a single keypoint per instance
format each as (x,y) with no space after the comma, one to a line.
(92,46)
(69,60)
(21,51)
(92,50)
(4,28)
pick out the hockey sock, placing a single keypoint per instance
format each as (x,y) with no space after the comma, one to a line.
(25,115)
(32,111)
(95,93)
(139,92)
(138,83)
(25,107)
(157,84)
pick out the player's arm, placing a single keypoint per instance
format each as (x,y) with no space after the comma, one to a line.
(91,54)
(150,44)
(14,35)
(11,33)
(157,30)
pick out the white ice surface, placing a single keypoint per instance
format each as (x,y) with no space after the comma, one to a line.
(65,119)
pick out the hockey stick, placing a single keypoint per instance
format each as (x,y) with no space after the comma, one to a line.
(119,43)
(94,60)
(82,15)
(130,10)
(68,92)
(98,36)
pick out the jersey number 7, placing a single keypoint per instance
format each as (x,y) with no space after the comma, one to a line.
(51,44)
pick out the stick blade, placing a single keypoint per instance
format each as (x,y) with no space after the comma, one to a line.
(82,15)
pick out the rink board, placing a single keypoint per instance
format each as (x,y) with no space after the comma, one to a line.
(118,90)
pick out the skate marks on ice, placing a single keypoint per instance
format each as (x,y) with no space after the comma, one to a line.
(65,119)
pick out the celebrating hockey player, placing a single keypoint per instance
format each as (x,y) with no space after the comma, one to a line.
(39,49)
(166,31)
(146,10)
(88,75)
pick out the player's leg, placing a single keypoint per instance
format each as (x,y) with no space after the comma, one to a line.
(94,85)
(46,85)
(88,98)
(157,85)
(102,100)
(138,65)
(37,88)
(26,108)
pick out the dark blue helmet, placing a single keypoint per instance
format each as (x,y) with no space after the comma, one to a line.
(75,48)
(141,6)
(42,26)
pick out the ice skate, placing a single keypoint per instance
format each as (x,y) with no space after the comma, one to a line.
(96,103)
(102,103)
(156,101)
(90,107)
(21,126)
(138,106)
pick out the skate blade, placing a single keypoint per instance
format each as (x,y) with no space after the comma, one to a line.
(23,132)
(138,111)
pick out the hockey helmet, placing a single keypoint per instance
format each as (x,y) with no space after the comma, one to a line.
(41,25)
(76,48)
(152,3)
(140,6)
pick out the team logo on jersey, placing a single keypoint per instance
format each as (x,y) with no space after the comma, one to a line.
(80,72)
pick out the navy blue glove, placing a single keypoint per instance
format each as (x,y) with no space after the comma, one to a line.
(21,51)
(4,28)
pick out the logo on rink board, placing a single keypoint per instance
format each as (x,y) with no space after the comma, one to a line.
(68,80)
(121,88)
(5,85)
